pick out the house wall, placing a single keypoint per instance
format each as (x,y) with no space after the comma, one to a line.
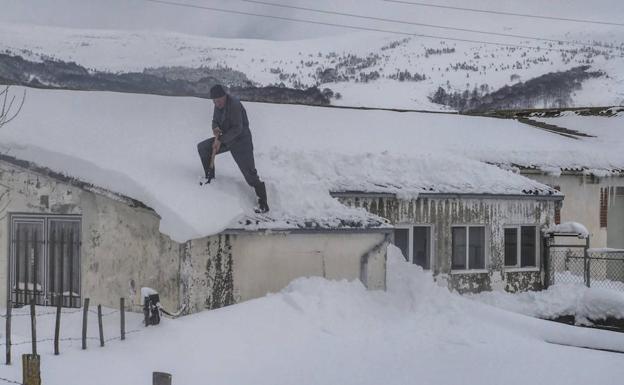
(229,268)
(442,213)
(582,203)
(123,250)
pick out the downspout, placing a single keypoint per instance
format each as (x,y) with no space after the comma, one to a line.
(366,256)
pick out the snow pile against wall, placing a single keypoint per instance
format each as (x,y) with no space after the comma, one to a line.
(585,304)
(324,332)
(145,147)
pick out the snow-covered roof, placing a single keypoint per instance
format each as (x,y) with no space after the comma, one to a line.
(144,147)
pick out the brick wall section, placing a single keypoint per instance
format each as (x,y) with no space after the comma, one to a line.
(604,206)
(557,209)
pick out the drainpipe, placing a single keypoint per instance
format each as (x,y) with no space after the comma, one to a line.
(366,256)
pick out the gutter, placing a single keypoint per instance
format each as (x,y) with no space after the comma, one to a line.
(364,194)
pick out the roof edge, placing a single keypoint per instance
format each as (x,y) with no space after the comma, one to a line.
(73,181)
(365,194)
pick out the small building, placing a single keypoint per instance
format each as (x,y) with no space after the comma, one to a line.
(475,242)
(67,240)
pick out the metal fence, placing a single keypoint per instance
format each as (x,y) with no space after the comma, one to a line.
(573,262)
(606,269)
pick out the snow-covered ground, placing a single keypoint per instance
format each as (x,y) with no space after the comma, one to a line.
(453,65)
(144,146)
(586,304)
(327,332)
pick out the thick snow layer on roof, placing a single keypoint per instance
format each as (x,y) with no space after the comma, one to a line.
(607,132)
(144,146)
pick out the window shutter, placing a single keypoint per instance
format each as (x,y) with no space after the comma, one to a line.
(604,206)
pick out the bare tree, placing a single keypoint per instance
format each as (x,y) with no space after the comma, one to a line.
(8,108)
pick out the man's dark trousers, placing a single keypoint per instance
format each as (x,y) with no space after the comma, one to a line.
(242,152)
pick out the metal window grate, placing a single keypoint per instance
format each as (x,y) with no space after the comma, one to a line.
(45,260)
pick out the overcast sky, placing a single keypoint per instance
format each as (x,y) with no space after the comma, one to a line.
(144,15)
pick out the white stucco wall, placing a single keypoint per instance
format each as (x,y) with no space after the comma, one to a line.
(228,268)
(122,248)
(262,266)
(582,201)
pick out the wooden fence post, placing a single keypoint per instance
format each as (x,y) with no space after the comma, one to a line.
(122,310)
(8,332)
(33,326)
(100,325)
(160,378)
(84,323)
(57,329)
(31,369)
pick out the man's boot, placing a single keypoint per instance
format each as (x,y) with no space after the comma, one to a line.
(263,206)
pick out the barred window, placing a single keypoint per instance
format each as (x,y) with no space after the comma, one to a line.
(45,260)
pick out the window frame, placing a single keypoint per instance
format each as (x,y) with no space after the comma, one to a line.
(538,256)
(410,241)
(45,220)
(486,249)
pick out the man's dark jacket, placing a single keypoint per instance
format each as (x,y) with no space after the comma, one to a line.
(232,120)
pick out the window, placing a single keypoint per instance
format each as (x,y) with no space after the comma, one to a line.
(415,244)
(468,247)
(521,246)
(45,260)
(401,240)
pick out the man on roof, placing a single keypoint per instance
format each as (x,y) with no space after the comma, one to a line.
(230,127)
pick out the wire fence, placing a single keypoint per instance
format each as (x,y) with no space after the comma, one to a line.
(53,319)
(601,268)
(606,269)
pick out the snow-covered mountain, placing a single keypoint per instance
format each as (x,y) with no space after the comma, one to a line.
(360,68)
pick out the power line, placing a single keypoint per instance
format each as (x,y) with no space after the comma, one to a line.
(195,6)
(504,13)
(412,23)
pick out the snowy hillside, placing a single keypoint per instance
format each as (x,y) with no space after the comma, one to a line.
(361,68)
(323,332)
(144,146)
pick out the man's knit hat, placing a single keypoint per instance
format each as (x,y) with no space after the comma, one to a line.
(217,91)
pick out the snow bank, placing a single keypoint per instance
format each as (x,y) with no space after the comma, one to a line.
(317,331)
(144,146)
(585,304)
